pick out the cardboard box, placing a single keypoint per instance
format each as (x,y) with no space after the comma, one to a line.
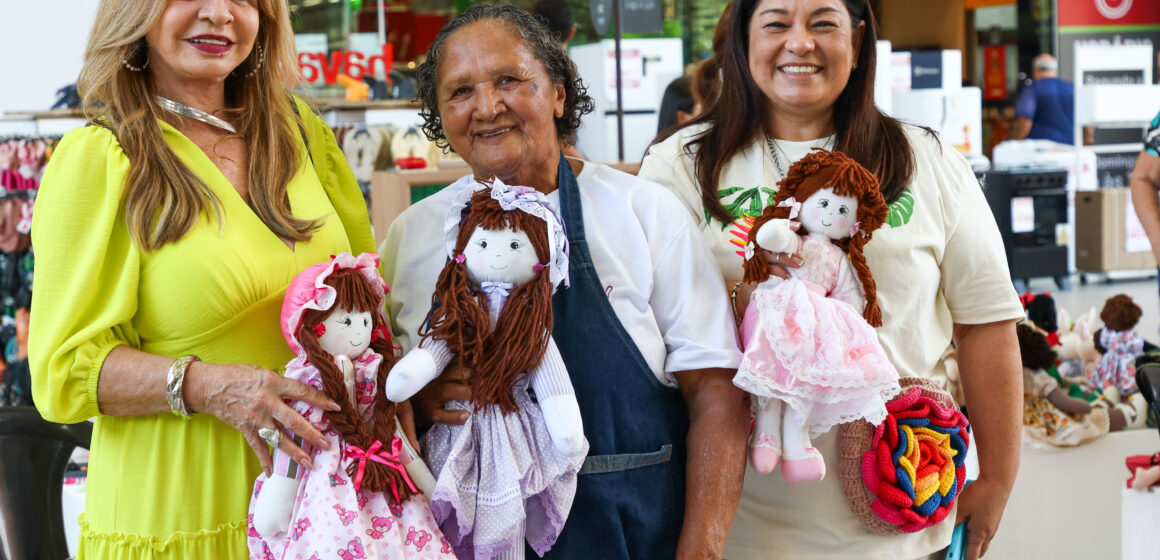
(1102,233)
(923,24)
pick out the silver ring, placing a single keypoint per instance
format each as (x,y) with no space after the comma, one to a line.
(271,436)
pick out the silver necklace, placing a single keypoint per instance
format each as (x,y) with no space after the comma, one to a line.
(195,114)
(774,149)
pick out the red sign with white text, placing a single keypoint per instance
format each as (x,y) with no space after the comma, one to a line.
(1082,13)
(320,66)
(995,72)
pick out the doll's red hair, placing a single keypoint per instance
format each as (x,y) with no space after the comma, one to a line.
(820,169)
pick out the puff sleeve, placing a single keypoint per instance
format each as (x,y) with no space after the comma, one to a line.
(337,178)
(87,272)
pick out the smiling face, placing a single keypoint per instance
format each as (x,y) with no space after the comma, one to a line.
(828,214)
(801,53)
(503,255)
(498,105)
(201,40)
(348,333)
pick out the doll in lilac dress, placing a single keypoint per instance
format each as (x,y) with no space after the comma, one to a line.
(812,358)
(358,500)
(508,475)
(1120,345)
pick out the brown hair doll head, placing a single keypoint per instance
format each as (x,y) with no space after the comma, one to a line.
(354,292)
(1120,313)
(824,169)
(501,355)
(1034,349)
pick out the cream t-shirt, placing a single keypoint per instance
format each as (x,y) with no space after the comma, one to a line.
(937,262)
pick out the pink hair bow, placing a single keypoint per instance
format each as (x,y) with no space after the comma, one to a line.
(391,460)
(856,228)
(794,206)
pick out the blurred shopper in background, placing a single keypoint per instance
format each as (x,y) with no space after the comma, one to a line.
(677,105)
(1046,108)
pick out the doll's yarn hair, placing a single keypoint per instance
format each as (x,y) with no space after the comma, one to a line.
(353,292)
(497,358)
(1041,311)
(820,169)
(1034,349)
(1120,313)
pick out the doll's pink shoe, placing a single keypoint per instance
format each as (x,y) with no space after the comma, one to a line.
(809,468)
(765,453)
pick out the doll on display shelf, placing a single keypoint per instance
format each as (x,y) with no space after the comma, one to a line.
(1050,415)
(812,358)
(359,499)
(508,475)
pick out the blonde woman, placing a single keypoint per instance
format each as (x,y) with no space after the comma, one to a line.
(166,233)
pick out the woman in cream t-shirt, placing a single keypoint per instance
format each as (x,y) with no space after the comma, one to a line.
(939,263)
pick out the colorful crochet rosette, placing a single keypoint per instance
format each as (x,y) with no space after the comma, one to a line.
(904,475)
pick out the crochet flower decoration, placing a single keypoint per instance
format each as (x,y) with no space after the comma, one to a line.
(906,475)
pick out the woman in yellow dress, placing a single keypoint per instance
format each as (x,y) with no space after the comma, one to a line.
(166,233)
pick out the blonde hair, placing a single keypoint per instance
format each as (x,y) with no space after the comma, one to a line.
(163,198)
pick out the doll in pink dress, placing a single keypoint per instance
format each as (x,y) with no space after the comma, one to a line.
(812,358)
(508,475)
(359,500)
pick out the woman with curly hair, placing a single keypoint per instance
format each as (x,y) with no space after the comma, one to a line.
(643,327)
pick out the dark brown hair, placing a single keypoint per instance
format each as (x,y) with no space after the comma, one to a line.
(356,294)
(499,357)
(820,169)
(1120,313)
(1034,349)
(875,140)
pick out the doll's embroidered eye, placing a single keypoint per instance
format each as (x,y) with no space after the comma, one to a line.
(516,245)
(347,322)
(843,210)
(823,203)
(482,243)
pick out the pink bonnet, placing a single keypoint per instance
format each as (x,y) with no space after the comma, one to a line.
(308,290)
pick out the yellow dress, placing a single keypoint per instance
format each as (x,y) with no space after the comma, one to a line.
(161,487)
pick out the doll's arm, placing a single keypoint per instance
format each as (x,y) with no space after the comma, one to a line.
(848,287)
(416,369)
(1070,405)
(777,236)
(558,402)
(275,502)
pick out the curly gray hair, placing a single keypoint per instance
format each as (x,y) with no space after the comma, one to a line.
(542,44)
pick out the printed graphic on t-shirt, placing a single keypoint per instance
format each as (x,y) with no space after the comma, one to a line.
(745,202)
(901,210)
(1152,137)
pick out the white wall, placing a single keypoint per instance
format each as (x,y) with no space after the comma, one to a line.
(43,42)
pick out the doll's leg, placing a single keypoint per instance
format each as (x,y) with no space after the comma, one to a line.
(801,462)
(765,450)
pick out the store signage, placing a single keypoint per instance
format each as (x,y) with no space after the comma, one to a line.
(1113,77)
(995,72)
(320,66)
(926,70)
(1082,13)
(601,13)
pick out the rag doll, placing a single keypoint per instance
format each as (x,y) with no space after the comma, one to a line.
(1145,471)
(812,357)
(358,500)
(1077,350)
(1120,345)
(508,475)
(1041,310)
(1049,414)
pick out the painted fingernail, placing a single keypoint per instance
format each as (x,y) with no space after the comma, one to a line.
(796,260)
(308,464)
(463,416)
(332,406)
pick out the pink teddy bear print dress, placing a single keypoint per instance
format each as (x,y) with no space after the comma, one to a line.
(331,516)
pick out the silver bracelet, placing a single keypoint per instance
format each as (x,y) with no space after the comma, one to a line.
(173,385)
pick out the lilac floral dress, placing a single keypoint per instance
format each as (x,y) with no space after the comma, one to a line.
(1117,367)
(500,480)
(332,521)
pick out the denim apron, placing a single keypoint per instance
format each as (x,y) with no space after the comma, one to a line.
(630,496)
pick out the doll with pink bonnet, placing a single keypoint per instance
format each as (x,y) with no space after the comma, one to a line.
(360,499)
(812,358)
